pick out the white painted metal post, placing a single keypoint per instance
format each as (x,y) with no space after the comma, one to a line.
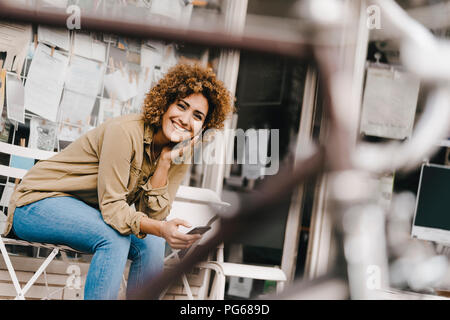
(44,265)
(235,14)
(303,148)
(11,271)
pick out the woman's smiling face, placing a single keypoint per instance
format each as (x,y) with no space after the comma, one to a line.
(184,118)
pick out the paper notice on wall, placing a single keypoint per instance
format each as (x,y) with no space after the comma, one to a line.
(167,8)
(55,3)
(15,39)
(186,13)
(82,45)
(144,84)
(109,109)
(67,132)
(121,85)
(6,195)
(389,103)
(3,220)
(169,58)
(15,95)
(4,127)
(84,76)
(54,37)
(42,134)
(151,56)
(86,46)
(45,82)
(76,108)
(98,51)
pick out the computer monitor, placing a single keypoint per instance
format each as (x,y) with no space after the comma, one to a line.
(432,213)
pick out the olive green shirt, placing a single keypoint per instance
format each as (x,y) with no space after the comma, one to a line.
(108,168)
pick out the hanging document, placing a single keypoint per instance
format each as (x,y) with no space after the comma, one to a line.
(120,85)
(15,39)
(389,104)
(151,56)
(171,9)
(76,108)
(84,76)
(109,109)
(85,46)
(143,87)
(45,82)
(15,98)
(42,134)
(54,37)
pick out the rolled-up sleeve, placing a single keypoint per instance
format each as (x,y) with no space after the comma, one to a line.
(156,199)
(157,202)
(113,176)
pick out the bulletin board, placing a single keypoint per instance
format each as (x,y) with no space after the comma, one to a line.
(60,83)
(56,84)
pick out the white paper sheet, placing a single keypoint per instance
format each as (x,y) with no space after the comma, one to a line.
(144,84)
(4,127)
(151,57)
(98,51)
(119,86)
(15,94)
(45,82)
(42,134)
(84,76)
(82,45)
(108,109)
(6,195)
(85,46)
(389,103)
(76,108)
(186,13)
(56,3)
(3,220)
(69,133)
(168,8)
(54,37)
(169,58)
(15,39)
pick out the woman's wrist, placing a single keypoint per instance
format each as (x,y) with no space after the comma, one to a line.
(152,226)
(161,226)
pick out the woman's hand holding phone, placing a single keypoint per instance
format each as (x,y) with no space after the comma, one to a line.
(175,238)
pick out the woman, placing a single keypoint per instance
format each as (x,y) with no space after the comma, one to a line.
(83,196)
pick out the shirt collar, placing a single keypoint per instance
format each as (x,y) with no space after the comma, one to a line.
(148,133)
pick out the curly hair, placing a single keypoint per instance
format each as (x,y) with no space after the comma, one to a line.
(181,81)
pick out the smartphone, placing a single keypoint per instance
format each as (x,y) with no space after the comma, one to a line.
(199,230)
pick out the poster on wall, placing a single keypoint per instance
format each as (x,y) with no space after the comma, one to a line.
(45,82)
(389,103)
(42,134)
(14,40)
(15,98)
(109,108)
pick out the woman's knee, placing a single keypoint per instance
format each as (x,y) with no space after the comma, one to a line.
(149,248)
(113,241)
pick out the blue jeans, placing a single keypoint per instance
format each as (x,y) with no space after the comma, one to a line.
(69,221)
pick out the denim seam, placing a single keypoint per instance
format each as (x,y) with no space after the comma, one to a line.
(139,281)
